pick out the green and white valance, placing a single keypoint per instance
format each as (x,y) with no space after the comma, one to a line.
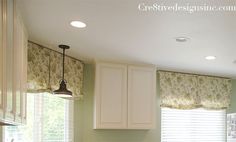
(188,91)
(45,71)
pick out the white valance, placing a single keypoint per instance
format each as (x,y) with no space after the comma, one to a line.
(45,71)
(188,91)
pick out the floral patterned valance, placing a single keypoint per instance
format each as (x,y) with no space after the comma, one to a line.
(45,71)
(188,91)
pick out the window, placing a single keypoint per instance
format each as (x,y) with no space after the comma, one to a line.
(49,119)
(197,125)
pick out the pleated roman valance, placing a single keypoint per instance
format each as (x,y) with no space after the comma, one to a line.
(45,71)
(188,91)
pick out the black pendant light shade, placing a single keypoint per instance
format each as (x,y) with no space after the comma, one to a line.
(63,91)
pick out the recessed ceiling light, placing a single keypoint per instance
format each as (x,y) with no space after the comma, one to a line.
(78,24)
(210,57)
(181,39)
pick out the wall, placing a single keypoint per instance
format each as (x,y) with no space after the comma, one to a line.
(84,117)
(84,131)
(232,108)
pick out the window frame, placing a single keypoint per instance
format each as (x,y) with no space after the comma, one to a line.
(38,101)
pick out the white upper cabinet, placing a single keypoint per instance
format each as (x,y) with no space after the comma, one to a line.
(13,64)
(125,96)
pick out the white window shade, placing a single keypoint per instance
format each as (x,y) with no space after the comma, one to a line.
(49,119)
(196,125)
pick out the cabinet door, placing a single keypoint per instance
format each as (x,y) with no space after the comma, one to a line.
(141,97)
(8,63)
(20,69)
(2,45)
(24,75)
(110,96)
(18,51)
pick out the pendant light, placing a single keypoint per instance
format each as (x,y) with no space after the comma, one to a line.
(63,91)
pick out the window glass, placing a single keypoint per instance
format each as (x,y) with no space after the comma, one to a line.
(49,119)
(196,125)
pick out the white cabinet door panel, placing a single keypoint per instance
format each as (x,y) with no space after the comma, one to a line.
(141,97)
(111,96)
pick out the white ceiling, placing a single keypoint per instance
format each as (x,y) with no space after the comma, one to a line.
(117,31)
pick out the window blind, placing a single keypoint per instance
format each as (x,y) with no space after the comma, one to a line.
(49,119)
(196,125)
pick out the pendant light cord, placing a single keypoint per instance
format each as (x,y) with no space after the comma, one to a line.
(63,62)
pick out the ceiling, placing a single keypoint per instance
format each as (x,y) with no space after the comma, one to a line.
(118,31)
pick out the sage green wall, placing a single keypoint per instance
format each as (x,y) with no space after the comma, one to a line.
(84,118)
(84,131)
(232,108)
